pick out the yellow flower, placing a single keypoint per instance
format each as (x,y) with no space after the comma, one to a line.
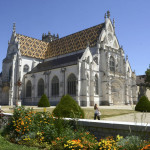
(65,145)
(44,109)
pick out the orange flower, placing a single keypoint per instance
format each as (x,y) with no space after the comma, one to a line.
(22,123)
(58,138)
(146,147)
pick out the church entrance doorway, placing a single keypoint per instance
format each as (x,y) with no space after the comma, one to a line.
(116,93)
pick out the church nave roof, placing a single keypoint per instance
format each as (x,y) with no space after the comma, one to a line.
(39,49)
(57,63)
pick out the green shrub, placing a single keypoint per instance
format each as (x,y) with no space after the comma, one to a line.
(143,104)
(44,102)
(131,143)
(68,107)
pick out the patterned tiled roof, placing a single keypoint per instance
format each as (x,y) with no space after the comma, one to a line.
(32,47)
(74,42)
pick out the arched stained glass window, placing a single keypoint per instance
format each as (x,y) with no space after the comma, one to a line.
(55,86)
(112,64)
(26,68)
(28,89)
(71,83)
(96,84)
(40,87)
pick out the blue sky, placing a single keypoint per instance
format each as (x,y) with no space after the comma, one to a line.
(34,17)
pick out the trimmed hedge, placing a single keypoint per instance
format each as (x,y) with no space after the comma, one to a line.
(44,102)
(68,107)
(143,104)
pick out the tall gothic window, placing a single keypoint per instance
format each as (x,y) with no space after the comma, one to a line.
(28,89)
(10,73)
(26,68)
(112,64)
(40,87)
(96,85)
(71,82)
(55,86)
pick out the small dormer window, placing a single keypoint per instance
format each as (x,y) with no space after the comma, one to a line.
(26,68)
(96,60)
(88,60)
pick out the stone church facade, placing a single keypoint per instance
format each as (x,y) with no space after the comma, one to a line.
(89,65)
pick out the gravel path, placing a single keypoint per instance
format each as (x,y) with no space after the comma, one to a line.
(133,117)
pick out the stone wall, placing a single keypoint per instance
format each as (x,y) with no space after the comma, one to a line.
(113,128)
(102,128)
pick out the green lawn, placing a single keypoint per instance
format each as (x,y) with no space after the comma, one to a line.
(5,145)
(89,112)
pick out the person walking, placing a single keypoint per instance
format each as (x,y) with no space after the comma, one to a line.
(97,112)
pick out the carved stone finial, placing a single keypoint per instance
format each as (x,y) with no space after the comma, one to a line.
(108,14)
(57,35)
(14,27)
(88,44)
(105,16)
(49,33)
(113,22)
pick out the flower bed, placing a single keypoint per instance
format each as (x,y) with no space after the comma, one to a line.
(42,130)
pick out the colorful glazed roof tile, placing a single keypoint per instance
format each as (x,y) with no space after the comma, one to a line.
(36,48)
(32,47)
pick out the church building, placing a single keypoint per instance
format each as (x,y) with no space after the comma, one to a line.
(89,65)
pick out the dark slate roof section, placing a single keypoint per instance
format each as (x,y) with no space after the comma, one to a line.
(57,63)
(140,81)
(1,74)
